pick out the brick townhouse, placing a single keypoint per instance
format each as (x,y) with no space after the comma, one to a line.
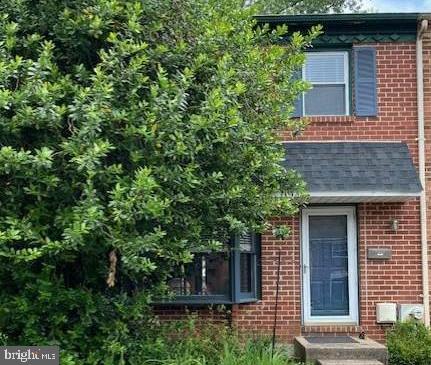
(357,258)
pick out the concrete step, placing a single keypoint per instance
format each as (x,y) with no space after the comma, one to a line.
(342,348)
(349,362)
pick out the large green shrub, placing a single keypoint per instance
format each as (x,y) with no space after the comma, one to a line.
(129,130)
(409,343)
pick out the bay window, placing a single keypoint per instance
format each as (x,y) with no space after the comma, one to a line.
(228,276)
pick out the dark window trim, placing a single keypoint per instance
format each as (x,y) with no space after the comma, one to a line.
(196,299)
(235,295)
(238,295)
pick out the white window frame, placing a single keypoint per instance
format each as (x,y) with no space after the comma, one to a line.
(353,316)
(346,81)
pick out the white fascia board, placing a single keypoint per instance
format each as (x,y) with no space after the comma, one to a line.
(361,196)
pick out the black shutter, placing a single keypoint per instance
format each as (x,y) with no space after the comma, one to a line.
(365,82)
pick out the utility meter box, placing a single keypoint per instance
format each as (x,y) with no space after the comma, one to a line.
(386,312)
(411,311)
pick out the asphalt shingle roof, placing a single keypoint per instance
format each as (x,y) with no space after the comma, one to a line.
(385,167)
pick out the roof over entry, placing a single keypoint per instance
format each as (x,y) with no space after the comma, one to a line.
(354,171)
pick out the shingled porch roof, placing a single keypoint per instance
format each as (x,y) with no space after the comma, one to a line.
(354,171)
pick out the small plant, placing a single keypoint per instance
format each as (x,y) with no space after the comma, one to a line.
(255,351)
(409,343)
(3,339)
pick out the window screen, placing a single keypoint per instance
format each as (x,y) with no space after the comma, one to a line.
(328,74)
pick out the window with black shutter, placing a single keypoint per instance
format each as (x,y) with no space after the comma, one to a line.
(333,90)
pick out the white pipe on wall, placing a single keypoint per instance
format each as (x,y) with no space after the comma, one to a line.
(423,26)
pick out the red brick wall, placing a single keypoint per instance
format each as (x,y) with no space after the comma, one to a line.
(259,317)
(212,313)
(397,107)
(396,280)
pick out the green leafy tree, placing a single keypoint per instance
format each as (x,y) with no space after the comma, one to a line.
(129,130)
(306,6)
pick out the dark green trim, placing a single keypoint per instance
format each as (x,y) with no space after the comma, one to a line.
(238,295)
(356,17)
(343,39)
(259,267)
(196,300)
(348,29)
(235,295)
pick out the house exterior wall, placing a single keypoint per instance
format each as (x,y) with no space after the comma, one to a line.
(397,107)
(396,280)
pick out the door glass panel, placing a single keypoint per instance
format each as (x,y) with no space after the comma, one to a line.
(329,279)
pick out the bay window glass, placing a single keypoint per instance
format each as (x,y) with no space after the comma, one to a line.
(207,274)
(246,286)
(219,277)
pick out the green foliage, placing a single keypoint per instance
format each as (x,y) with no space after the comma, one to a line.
(128,131)
(307,6)
(409,343)
(188,342)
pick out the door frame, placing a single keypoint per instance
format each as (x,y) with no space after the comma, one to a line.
(352,247)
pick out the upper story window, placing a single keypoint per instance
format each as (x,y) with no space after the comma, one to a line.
(333,90)
(328,72)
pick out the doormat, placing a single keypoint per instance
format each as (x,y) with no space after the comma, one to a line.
(331,339)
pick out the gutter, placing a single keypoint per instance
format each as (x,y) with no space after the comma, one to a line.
(423,27)
(381,23)
(396,18)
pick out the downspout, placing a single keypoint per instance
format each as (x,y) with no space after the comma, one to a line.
(423,26)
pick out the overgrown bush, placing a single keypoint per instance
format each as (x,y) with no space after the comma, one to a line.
(409,343)
(129,131)
(187,343)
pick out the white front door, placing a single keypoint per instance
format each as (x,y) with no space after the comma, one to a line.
(329,265)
